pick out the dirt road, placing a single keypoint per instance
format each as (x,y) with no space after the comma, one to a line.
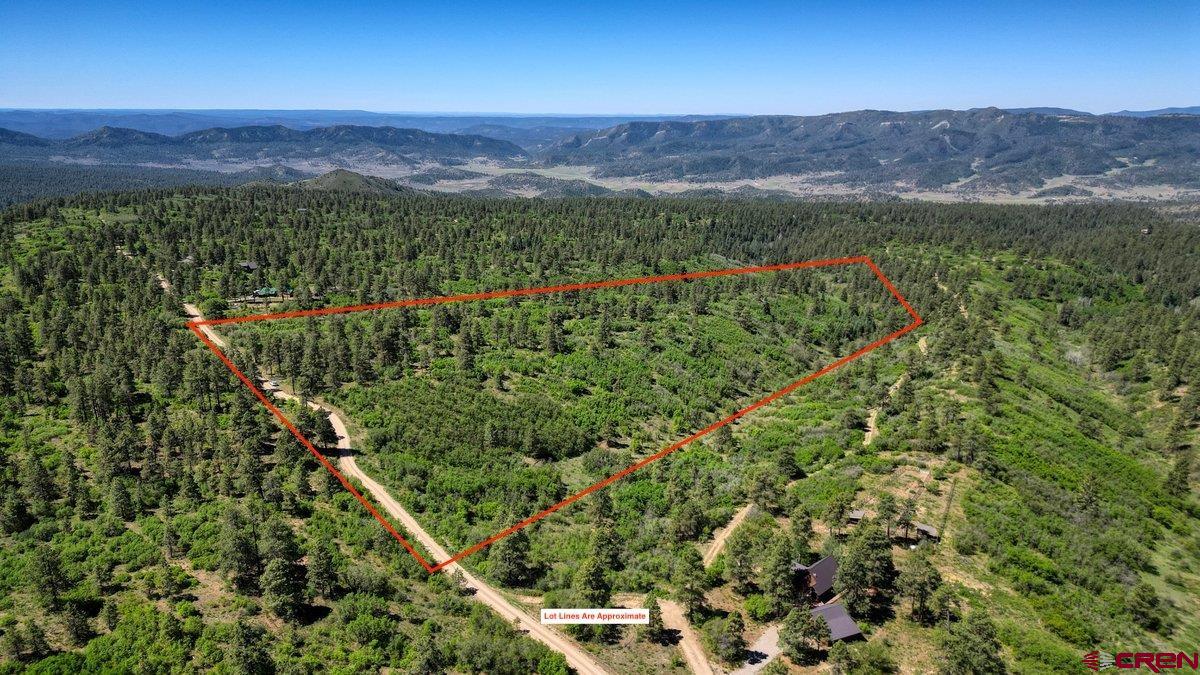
(576,656)
(193,313)
(693,652)
(873,413)
(722,534)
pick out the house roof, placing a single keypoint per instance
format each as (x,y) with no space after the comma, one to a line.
(857,514)
(841,626)
(820,574)
(927,530)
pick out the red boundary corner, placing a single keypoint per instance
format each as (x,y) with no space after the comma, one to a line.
(195,327)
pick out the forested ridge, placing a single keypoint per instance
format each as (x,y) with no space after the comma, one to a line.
(154,514)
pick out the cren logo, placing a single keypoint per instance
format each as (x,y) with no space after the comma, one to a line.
(1155,662)
(1098,660)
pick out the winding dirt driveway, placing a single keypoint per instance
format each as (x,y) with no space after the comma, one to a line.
(193,313)
(873,413)
(578,658)
(693,652)
(722,534)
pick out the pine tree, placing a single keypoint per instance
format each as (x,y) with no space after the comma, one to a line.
(1178,483)
(75,621)
(918,582)
(239,550)
(509,559)
(247,654)
(836,510)
(45,575)
(728,640)
(904,519)
(1145,606)
(886,512)
(802,636)
(591,583)
(282,588)
(778,583)
(865,571)
(655,631)
(604,330)
(801,530)
(555,343)
(944,604)
(70,478)
(688,579)
(169,537)
(278,541)
(120,505)
(739,563)
(464,354)
(39,489)
(322,570)
(14,517)
(972,647)
(35,641)
(841,658)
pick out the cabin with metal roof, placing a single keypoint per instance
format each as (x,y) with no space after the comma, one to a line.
(841,626)
(816,578)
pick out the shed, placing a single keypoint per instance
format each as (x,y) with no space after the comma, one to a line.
(927,531)
(248,265)
(841,626)
(856,516)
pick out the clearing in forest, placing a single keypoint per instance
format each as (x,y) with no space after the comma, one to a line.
(198,327)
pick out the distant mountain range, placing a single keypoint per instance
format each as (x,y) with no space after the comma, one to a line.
(1191,110)
(988,149)
(62,124)
(1038,154)
(210,148)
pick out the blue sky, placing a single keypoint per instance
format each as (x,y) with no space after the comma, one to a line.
(796,57)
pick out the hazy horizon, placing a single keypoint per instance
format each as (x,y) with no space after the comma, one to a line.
(503,113)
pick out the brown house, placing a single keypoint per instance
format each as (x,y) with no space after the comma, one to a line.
(816,578)
(841,626)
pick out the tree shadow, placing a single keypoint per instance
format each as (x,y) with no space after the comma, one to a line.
(310,614)
(754,657)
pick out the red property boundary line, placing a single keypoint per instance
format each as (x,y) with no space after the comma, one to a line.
(195,327)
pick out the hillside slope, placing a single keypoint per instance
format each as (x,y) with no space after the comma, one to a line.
(973,149)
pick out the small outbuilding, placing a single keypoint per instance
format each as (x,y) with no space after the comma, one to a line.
(926,531)
(855,517)
(248,265)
